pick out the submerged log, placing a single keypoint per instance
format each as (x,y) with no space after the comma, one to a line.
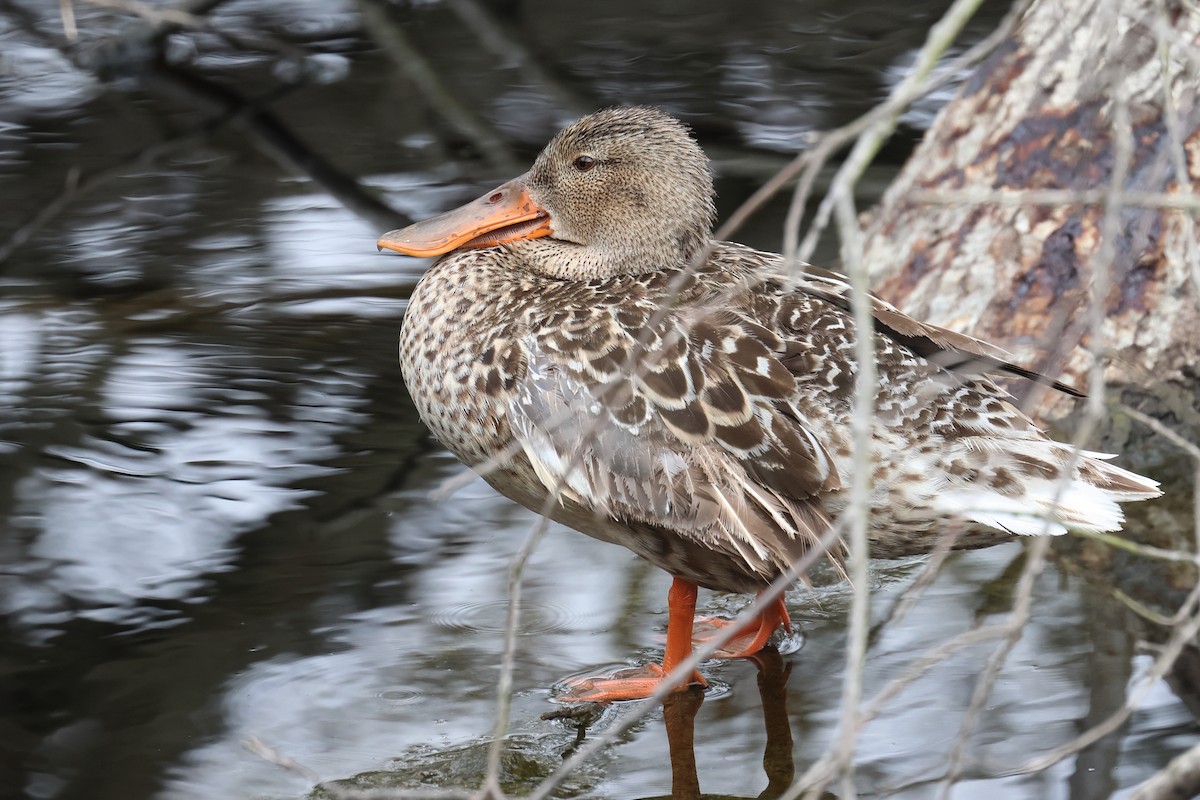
(1087,95)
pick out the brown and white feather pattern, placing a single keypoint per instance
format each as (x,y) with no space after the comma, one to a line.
(708,430)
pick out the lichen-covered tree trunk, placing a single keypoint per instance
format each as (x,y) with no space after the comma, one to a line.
(1045,112)
(1083,92)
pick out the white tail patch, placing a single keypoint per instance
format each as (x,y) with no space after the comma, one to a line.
(1039,503)
(1042,508)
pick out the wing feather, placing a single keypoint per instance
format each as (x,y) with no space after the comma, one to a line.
(696,435)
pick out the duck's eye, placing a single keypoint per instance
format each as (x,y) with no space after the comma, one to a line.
(584,163)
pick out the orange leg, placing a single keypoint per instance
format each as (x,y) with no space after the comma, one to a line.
(639,682)
(754,635)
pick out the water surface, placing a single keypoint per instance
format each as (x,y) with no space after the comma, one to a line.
(216,498)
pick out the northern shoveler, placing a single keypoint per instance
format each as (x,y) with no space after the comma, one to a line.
(678,396)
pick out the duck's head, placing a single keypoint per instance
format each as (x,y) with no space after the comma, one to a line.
(622,191)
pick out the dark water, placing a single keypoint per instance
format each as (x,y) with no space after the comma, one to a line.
(216,499)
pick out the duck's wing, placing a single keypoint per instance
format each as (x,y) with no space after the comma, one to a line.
(684,423)
(957,352)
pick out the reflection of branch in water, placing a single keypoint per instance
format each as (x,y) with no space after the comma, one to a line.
(276,139)
(114,54)
(1180,778)
(389,34)
(250,115)
(79,184)
(139,46)
(503,41)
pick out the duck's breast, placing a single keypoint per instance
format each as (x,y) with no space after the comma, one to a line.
(460,352)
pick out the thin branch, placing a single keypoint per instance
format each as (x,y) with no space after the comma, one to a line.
(1101,267)
(862,425)
(1180,638)
(512,625)
(1014,628)
(154,15)
(1173,123)
(1053,197)
(941,37)
(824,769)
(1179,779)
(1093,413)
(1138,549)
(1141,609)
(684,669)
(66,9)
(832,141)
(1191,448)
(267,753)
(913,592)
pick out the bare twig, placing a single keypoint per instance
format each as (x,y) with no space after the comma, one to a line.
(1193,451)
(1144,550)
(512,626)
(1179,779)
(1180,637)
(1191,448)
(824,769)
(154,15)
(1014,627)
(1054,197)
(268,753)
(684,669)
(408,58)
(811,160)
(1093,413)
(840,202)
(941,37)
(929,571)
(66,9)
(1175,137)
(863,421)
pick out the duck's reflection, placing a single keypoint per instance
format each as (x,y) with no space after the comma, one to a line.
(679,714)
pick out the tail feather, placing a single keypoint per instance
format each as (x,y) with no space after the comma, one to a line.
(1120,484)
(1089,501)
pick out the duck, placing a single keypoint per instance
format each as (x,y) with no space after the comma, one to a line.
(585,343)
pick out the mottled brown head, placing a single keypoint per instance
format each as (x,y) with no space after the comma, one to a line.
(628,190)
(621,191)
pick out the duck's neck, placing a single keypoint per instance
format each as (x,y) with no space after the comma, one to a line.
(564,260)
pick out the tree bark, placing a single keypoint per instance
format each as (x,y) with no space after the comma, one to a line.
(1048,111)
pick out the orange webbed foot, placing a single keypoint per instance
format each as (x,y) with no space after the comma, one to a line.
(631,683)
(751,638)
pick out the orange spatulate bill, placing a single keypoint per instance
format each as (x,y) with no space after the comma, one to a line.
(505,214)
